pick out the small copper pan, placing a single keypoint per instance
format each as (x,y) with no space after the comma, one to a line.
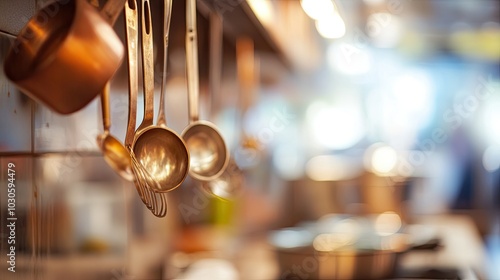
(66,53)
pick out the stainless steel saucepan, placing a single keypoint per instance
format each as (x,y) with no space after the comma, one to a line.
(348,252)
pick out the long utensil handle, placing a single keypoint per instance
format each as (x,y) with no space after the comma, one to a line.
(192,60)
(166,29)
(147,65)
(106,119)
(111,10)
(132,39)
(216,51)
(245,64)
(246,72)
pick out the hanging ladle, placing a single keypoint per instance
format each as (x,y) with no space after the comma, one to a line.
(155,202)
(229,184)
(132,40)
(160,150)
(209,156)
(115,154)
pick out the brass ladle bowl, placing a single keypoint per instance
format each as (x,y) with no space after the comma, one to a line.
(155,202)
(115,154)
(209,155)
(159,149)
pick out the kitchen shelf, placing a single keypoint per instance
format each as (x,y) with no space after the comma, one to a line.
(240,20)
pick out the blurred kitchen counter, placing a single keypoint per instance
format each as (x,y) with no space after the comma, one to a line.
(252,257)
(462,247)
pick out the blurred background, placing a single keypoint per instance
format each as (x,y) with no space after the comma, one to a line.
(347,121)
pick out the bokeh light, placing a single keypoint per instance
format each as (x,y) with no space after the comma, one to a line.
(384,159)
(491,158)
(318,9)
(387,223)
(332,27)
(335,127)
(330,168)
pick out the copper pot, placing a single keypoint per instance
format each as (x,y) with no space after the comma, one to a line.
(66,53)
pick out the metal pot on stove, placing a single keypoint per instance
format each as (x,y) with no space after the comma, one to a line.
(344,247)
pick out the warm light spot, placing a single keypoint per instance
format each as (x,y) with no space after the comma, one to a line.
(343,233)
(384,159)
(263,9)
(327,242)
(387,223)
(332,27)
(216,268)
(329,168)
(180,260)
(318,9)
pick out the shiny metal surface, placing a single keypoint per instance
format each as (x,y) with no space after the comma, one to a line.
(164,156)
(209,155)
(115,154)
(156,203)
(344,247)
(66,53)
(160,150)
(167,14)
(207,150)
(229,184)
(132,41)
